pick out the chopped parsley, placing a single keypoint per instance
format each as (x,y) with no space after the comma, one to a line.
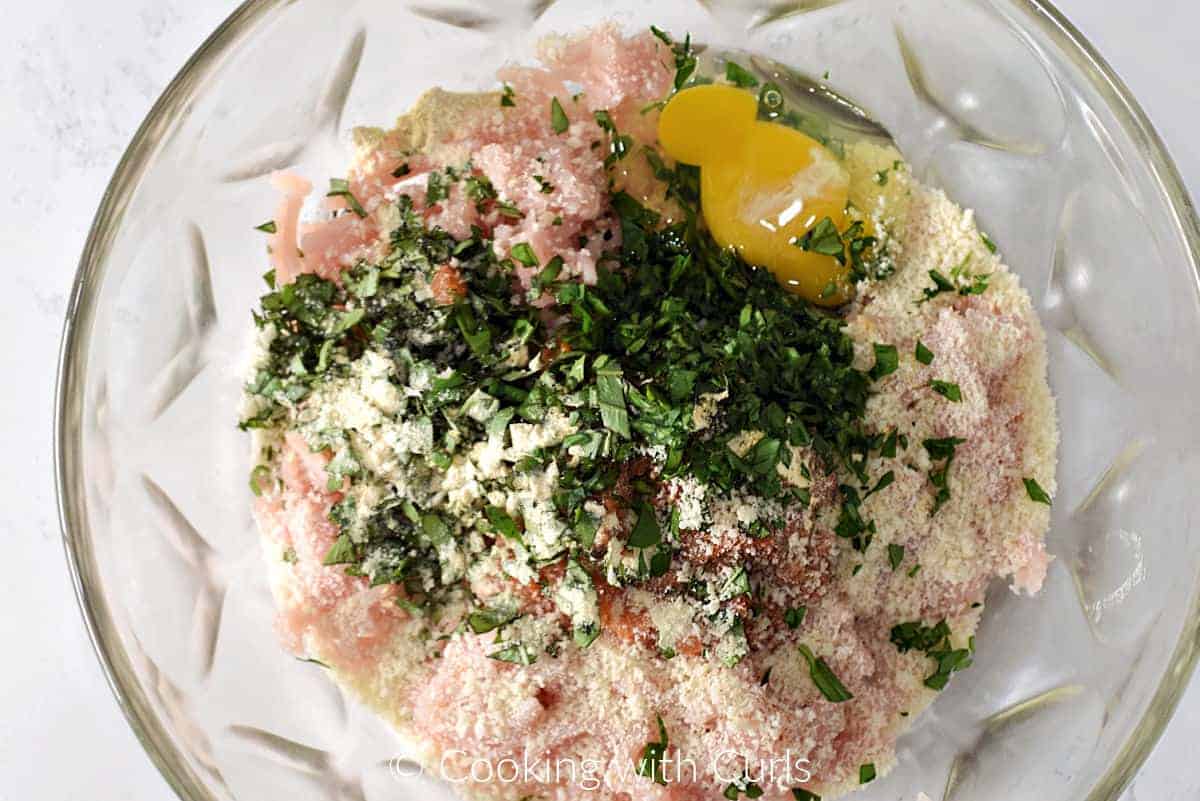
(558,118)
(895,555)
(948,390)
(941,450)
(1036,493)
(887,361)
(507,97)
(268,227)
(738,75)
(651,766)
(823,677)
(934,642)
(744,787)
(794,617)
(866,773)
(800,794)
(340,187)
(923,354)
(685,57)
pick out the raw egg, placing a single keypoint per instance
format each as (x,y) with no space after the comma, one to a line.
(763,186)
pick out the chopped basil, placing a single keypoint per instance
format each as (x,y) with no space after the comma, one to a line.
(339,187)
(268,227)
(507,97)
(948,390)
(1035,492)
(866,773)
(402,170)
(823,677)
(738,75)
(558,117)
(895,555)
(799,793)
(923,354)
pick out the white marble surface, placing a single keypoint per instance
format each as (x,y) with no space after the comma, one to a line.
(76,78)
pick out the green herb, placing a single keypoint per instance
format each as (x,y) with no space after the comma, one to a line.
(402,170)
(516,654)
(1035,492)
(508,210)
(744,787)
(502,523)
(923,354)
(914,570)
(934,641)
(866,773)
(558,118)
(507,97)
(895,555)
(342,552)
(339,187)
(485,620)
(646,532)
(651,766)
(685,58)
(947,390)
(619,144)
(523,253)
(268,227)
(795,617)
(887,361)
(801,794)
(988,243)
(941,450)
(545,186)
(884,482)
(881,177)
(940,284)
(823,677)
(738,75)
(823,238)
(258,476)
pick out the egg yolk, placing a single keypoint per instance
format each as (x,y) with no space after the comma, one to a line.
(763,186)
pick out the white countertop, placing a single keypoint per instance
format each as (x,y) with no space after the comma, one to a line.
(76,78)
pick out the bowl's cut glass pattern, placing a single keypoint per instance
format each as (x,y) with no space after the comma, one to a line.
(989,100)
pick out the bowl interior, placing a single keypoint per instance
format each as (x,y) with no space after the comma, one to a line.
(990,100)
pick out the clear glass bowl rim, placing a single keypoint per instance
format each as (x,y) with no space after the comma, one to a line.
(71,375)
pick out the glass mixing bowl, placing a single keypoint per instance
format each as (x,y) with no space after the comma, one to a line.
(1001,102)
